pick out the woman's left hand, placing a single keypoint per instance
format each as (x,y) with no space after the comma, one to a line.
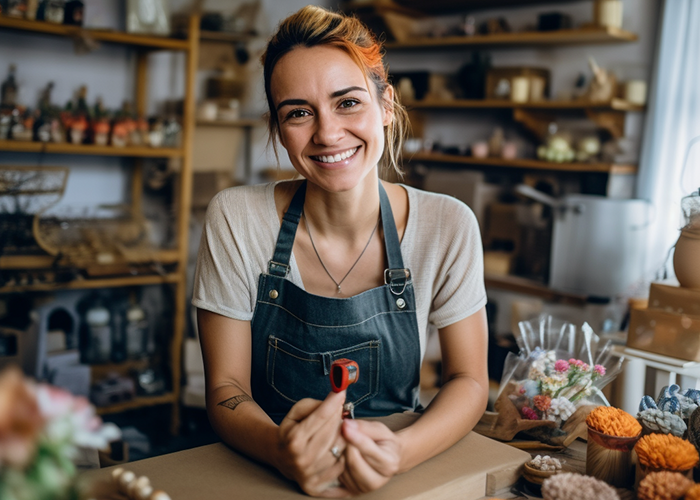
(372,456)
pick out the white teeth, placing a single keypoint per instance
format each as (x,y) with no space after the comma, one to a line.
(339,157)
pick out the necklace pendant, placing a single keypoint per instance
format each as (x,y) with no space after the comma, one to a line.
(338,288)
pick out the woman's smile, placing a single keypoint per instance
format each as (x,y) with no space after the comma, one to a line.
(336,159)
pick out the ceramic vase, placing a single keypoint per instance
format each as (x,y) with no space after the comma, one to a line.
(686,259)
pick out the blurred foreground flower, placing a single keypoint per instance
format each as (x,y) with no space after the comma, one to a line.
(41,428)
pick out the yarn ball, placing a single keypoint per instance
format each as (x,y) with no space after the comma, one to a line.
(613,422)
(693,493)
(663,485)
(666,451)
(570,486)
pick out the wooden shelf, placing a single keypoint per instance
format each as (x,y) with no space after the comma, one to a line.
(222,36)
(46,261)
(240,123)
(146,41)
(139,402)
(449,6)
(89,149)
(457,104)
(99,372)
(534,288)
(607,168)
(83,284)
(578,36)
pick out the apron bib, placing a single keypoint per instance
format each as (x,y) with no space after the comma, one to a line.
(297,335)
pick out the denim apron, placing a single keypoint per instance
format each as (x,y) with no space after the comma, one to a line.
(297,335)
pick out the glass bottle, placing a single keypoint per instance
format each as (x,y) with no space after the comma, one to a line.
(99,330)
(136,332)
(8,90)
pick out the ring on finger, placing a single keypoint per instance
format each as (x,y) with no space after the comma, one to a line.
(335,451)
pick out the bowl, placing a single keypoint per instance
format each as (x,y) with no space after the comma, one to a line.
(537,476)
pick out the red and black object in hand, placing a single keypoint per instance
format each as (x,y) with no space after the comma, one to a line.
(343,373)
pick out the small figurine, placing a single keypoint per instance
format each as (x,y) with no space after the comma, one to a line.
(603,84)
(155,135)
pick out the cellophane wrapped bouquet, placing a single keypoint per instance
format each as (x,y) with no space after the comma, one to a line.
(41,430)
(559,368)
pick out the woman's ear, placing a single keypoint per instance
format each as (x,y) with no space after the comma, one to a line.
(388,105)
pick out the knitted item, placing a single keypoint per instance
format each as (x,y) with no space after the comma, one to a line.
(665,451)
(613,422)
(693,493)
(663,422)
(570,486)
(663,485)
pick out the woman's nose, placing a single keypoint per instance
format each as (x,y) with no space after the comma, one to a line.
(329,129)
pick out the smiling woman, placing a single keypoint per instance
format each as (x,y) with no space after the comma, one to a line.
(387,264)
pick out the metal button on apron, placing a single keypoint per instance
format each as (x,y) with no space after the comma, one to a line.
(274,294)
(401,303)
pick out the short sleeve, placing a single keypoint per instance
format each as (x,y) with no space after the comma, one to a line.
(223,281)
(459,289)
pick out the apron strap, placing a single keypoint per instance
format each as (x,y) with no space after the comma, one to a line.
(279,265)
(396,275)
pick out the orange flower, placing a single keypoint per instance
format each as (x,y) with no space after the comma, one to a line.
(613,422)
(666,451)
(20,419)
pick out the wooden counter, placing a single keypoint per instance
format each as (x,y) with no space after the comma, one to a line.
(471,469)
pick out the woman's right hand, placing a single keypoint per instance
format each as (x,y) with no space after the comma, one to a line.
(306,436)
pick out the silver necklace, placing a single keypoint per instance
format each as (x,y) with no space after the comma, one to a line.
(338,283)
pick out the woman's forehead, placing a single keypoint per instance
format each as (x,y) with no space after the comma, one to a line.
(308,71)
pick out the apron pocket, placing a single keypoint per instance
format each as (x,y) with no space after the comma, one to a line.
(297,374)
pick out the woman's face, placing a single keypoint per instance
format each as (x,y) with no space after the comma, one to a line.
(331,121)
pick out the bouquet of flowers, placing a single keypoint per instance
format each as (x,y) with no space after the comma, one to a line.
(41,429)
(559,369)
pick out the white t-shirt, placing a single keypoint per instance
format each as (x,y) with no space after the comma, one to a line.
(441,246)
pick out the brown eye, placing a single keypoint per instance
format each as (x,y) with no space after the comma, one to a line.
(297,113)
(349,103)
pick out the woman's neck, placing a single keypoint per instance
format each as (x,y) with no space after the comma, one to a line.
(346,215)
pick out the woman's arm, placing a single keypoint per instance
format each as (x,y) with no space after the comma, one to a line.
(300,446)
(375,454)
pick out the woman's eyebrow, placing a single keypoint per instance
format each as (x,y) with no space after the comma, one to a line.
(337,93)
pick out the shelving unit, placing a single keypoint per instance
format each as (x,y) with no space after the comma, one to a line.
(528,39)
(606,168)
(177,256)
(534,116)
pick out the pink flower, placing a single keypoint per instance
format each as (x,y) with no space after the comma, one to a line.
(585,367)
(599,369)
(529,414)
(561,366)
(20,419)
(576,362)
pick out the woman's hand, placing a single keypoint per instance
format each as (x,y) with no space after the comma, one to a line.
(372,456)
(307,435)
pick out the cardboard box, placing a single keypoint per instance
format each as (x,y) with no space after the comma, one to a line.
(674,299)
(666,333)
(473,468)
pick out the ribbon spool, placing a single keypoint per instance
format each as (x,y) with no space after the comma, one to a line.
(343,373)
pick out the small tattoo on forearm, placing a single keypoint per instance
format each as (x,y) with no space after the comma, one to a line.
(233,402)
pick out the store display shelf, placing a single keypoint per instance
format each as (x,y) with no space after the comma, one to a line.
(457,104)
(533,288)
(89,149)
(222,36)
(139,402)
(99,372)
(28,262)
(146,41)
(449,6)
(579,36)
(240,123)
(83,284)
(608,168)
